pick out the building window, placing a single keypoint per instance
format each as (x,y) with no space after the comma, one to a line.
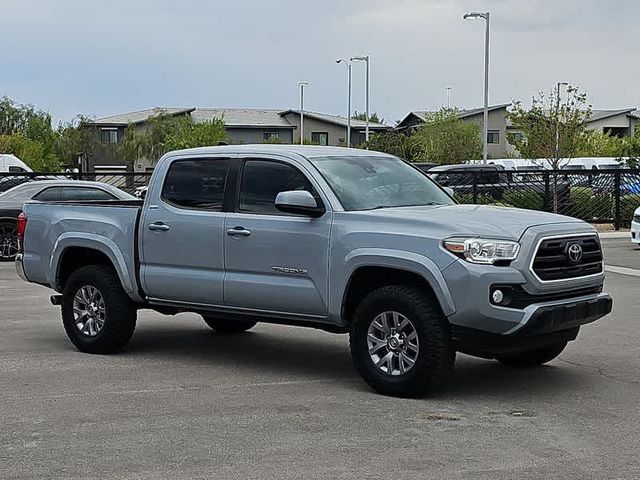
(321,138)
(516,137)
(109,135)
(270,136)
(493,136)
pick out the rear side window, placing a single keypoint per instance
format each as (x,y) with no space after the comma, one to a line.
(197,184)
(262,180)
(84,193)
(51,194)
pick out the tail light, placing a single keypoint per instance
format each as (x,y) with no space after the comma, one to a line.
(20,229)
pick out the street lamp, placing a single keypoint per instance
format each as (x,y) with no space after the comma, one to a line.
(302,85)
(348,65)
(365,58)
(485,16)
(558,85)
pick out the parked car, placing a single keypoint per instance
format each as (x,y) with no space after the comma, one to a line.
(489,179)
(340,239)
(12,164)
(635,227)
(141,191)
(604,184)
(12,200)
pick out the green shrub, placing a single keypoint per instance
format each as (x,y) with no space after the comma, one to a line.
(523,199)
(587,206)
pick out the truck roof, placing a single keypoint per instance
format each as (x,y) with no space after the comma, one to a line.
(308,151)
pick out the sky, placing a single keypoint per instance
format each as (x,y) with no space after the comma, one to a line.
(100,58)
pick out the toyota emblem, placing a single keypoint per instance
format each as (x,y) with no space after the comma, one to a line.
(574,253)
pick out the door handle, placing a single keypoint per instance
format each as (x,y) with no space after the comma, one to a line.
(159,227)
(239,232)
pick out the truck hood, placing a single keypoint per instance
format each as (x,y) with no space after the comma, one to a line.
(472,220)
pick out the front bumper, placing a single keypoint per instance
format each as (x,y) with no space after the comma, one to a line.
(543,325)
(20,267)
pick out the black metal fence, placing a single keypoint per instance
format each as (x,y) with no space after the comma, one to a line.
(596,196)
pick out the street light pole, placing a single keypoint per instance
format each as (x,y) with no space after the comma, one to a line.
(485,128)
(365,58)
(348,65)
(558,85)
(302,85)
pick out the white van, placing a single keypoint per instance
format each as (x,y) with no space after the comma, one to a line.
(12,164)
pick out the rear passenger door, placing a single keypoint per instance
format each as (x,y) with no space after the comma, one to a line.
(275,262)
(182,233)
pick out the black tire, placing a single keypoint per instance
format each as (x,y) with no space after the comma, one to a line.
(435,356)
(533,358)
(119,315)
(229,326)
(8,241)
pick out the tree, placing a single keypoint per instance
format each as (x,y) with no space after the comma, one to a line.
(164,133)
(446,139)
(373,118)
(27,133)
(404,146)
(594,143)
(552,128)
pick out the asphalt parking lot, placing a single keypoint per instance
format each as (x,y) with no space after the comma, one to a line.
(285,402)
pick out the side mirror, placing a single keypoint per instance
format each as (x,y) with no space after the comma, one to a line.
(300,202)
(449,190)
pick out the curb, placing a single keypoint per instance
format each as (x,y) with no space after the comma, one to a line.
(624,234)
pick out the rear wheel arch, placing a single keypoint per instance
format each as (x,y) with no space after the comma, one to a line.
(74,258)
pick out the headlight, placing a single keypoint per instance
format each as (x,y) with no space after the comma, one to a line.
(482,250)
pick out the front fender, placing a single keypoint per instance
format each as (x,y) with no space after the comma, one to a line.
(402,260)
(102,244)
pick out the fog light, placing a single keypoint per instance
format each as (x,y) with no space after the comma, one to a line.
(497,296)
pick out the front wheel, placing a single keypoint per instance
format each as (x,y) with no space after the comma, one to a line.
(400,342)
(533,358)
(8,241)
(229,326)
(97,314)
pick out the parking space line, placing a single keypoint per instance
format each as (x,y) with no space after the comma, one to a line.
(622,270)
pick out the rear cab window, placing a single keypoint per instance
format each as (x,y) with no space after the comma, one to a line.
(196,184)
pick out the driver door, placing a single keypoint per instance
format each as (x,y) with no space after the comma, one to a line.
(275,261)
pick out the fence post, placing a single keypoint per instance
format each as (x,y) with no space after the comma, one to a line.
(474,190)
(616,200)
(545,198)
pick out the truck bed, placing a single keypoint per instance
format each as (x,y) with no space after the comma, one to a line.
(109,226)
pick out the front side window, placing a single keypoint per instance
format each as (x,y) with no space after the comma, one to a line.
(196,184)
(371,182)
(262,180)
(320,138)
(109,135)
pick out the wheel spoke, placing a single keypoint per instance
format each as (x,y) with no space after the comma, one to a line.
(377,343)
(392,343)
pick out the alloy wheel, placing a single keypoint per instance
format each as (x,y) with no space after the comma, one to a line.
(392,342)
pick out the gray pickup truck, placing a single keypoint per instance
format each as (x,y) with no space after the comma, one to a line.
(345,240)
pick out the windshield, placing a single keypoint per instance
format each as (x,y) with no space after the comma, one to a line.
(367,183)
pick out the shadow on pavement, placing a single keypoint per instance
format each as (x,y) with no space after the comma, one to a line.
(325,358)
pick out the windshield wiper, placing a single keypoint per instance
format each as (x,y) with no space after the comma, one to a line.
(377,207)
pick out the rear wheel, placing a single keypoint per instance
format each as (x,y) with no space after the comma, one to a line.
(97,314)
(533,358)
(229,326)
(8,241)
(400,342)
